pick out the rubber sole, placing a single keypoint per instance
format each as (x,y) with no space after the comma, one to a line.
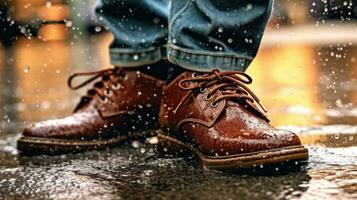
(51,146)
(173,146)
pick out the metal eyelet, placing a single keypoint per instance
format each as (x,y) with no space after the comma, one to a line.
(108,93)
(203,90)
(105,100)
(194,75)
(208,97)
(116,86)
(214,104)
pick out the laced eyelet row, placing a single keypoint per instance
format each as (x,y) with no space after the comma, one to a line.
(106,83)
(109,93)
(209,97)
(226,81)
(203,90)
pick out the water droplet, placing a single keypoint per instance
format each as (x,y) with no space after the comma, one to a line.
(156,20)
(339,103)
(27,69)
(153,140)
(337,136)
(135,144)
(249,6)
(136,57)
(98,29)
(142,150)
(69,24)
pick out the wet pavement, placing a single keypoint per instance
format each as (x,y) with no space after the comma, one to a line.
(309,87)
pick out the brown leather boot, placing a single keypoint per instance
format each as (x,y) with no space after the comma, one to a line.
(123,105)
(215,117)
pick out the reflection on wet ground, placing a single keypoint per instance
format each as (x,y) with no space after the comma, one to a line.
(308,88)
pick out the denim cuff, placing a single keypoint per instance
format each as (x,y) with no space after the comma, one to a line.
(205,61)
(136,57)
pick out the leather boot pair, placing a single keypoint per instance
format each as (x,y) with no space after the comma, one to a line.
(213,116)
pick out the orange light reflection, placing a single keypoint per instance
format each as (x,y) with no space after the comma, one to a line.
(285,79)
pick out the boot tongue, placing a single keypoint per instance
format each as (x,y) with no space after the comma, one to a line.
(243,105)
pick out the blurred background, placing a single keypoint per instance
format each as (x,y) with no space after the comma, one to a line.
(305,71)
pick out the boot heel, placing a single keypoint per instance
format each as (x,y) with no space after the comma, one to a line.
(170,146)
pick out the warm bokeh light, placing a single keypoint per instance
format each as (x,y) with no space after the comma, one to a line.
(54,12)
(53,32)
(286,78)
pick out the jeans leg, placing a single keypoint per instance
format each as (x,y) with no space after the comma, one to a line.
(211,34)
(139,28)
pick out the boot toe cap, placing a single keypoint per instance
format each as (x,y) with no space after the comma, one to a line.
(41,129)
(68,127)
(287,138)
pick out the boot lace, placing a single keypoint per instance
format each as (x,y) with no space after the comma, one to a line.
(103,88)
(231,84)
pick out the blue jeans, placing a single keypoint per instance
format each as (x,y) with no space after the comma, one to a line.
(199,35)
